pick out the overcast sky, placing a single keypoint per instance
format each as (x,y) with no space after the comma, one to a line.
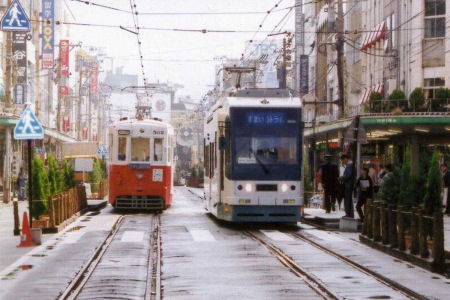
(186,58)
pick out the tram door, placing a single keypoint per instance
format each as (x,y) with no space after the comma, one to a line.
(214,189)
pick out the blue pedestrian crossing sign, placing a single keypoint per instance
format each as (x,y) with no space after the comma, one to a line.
(102,151)
(15,18)
(28,127)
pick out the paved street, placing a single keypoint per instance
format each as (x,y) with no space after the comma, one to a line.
(201,258)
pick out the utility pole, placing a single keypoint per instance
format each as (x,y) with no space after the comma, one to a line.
(8,105)
(299,40)
(80,98)
(340,56)
(283,67)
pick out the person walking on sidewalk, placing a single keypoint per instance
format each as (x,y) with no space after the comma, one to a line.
(364,186)
(348,180)
(22,184)
(330,175)
(446,184)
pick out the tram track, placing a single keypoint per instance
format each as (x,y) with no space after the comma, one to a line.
(112,287)
(310,279)
(380,278)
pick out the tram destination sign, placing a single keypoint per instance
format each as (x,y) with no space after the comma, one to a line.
(262,119)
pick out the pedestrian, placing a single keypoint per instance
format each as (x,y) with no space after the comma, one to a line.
(373,175)
(364,186)
(446,183)
(340,195)
(387,172)
(348,180)
(21,184)
(330,176)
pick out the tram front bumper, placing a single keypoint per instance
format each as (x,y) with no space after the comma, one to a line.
(260,213)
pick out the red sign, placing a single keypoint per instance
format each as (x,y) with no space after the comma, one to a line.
(94,78)
(64,67)
(66,124)
(85,133)
(64,57)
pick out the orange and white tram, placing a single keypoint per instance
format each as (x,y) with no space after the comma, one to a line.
(141,164)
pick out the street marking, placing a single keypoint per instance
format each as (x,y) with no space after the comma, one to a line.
(202,235)
(277,236)
(326,236)
(132,237)
(72,237)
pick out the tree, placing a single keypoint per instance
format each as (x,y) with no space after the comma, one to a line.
(375,102)
(440,99)
(417,99)
(52,174)
(40,188)
(432,200)
(398,99)
(96,175)
(68,176)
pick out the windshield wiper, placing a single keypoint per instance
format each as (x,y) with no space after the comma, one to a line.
(263,166)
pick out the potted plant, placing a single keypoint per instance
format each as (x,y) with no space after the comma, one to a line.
(417,99)
(440,100)
(397,101)
(375,103)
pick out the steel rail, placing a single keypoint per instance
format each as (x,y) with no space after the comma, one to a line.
(76,285)
(154,291)
(314,283)
(383,279)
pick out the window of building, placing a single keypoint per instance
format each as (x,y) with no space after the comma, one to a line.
(122,149)
(158,150)
(434,18)
(140,149)
(431,85)
(356,51)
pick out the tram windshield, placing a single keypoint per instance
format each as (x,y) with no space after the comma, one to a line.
(140,149)
(265,144)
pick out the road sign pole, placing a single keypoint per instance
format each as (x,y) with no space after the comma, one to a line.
(30,184)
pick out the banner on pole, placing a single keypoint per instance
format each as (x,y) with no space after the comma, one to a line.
(304,74)
(48,34)
(19,53)
(64,67)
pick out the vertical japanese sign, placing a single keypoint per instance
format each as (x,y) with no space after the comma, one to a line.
(19,53)
(64,67)
(304,72)
(94,78)
(48,35)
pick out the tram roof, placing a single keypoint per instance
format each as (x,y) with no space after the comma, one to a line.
(136,122)
(263,102)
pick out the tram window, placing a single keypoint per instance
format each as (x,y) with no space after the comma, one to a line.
(122,149)
(158,150)
(140,149)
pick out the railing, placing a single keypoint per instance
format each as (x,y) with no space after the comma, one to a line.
(64,205)
(393,106)
(407,230)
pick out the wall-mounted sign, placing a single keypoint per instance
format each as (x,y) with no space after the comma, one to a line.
(48,34)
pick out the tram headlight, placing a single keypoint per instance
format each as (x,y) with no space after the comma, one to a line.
(139,175)
(284,187)
(248,187)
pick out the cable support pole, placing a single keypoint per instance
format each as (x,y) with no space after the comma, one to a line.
(340,55)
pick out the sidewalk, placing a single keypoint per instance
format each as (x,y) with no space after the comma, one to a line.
(8,241)
(331,220)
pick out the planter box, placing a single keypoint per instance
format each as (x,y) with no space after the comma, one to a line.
(40,223)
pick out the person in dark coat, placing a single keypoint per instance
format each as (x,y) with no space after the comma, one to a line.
(21,184)
(446,184)
(365,187)
(330,176)
(348,180)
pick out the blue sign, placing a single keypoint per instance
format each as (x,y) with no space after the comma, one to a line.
(15,18)
(28,127)
(265,119)
(48,34)
(102,151)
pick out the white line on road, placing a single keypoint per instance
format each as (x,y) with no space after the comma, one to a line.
(202,235)
(277,236)
(132,237)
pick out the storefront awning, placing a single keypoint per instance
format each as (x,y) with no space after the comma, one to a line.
(372,36)
(365,94)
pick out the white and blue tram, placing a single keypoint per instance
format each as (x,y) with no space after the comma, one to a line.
(252,157)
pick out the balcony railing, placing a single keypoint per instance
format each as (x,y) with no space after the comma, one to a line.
(430,106)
